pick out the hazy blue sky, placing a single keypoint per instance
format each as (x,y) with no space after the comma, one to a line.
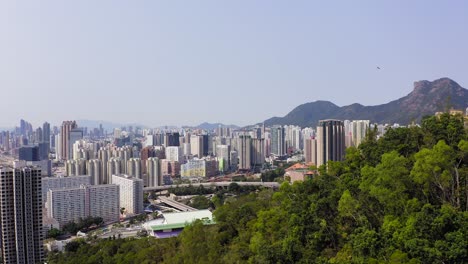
(186,62)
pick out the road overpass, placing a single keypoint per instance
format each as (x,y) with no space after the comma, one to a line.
(212,184)
(180,206)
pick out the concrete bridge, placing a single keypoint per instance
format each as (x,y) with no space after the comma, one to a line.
(273,185)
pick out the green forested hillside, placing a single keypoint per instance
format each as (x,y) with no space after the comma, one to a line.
(398,199)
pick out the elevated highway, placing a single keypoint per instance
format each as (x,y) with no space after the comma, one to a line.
(179,206)
(273,185)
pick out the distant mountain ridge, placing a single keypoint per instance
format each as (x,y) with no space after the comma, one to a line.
(425,99)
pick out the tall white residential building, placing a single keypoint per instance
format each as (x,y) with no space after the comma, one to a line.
(63,182)
(114,166)
(104,154)
(21,215)
(93,169)
(196,145)
(186,149)
(154,175)
(131,193)
(359,130)
(124,153)
(71,204)
(134,167)
(174,154)
(75,167)
(58,147)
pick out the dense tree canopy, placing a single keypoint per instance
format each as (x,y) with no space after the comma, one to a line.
(401,198)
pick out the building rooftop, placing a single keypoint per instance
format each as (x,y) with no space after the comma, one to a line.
(180,220)
(187,217)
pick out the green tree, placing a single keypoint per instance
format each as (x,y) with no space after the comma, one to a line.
(54,233)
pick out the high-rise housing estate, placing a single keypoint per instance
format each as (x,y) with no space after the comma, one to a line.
(277,143)
(114,166)
(65,130)
(93,169)
(131,193)
(65,205)
(71,204)
(75,167)
(21,215)
(104,154)
(134,167)
(103,201)
(124,153)
(330,141)
(63,182)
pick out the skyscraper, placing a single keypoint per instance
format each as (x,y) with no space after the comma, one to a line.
(154,176)
(277,140)
(93,169)
(245,157)
(134,167)
(196,145)
(104,154)
(330,141)
(67,126)
(114,166)
(310,150)
(46,132)
(258,154)
(21,215)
